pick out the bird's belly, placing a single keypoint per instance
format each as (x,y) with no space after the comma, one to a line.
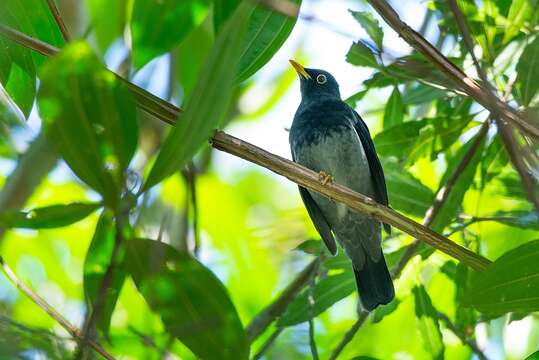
(342,156)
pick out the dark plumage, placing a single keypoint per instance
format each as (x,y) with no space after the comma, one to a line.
(328,136)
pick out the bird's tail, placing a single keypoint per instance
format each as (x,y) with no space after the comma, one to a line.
(374,283)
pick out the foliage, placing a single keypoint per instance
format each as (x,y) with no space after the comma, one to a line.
(157,246)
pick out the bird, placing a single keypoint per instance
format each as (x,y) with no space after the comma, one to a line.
(329,137)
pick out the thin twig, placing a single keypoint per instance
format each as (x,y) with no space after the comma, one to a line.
(264,318)
(465,340)
(363,315)
(71,329)
(59,21)
(269,342)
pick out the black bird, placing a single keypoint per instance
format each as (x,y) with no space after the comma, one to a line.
(329,137)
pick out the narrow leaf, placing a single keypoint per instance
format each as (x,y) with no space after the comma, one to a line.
(527,82)
(208,103)
(510,284)
(47,217)
(90,117)
(159,25)
(371,26)
(394,112)
(519,12)
(98,259)
(192,302)
(427,323)
(266,32)
(361,55)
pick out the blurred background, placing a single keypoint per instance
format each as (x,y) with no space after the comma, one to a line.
(244,222)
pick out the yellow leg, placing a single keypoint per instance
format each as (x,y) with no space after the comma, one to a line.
(325,178)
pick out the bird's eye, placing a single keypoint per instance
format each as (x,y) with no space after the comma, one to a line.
(321,79)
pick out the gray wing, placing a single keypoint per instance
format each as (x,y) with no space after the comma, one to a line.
(377,173)
(318,219)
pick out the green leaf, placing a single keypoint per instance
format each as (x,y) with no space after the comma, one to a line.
(494,160)
(266,33)
(406,193)
(208,103)
(326,292)
(361,55)
(398,140)
(394,112)
(534,356)
(421,94)
(510,284)
(192,302)
(427,323)
(222,9)
(382,311)
(98,259)
(451,206)
(157,26)
(90,117)
(519,12)
(371,26)
(18,75)
(47,217)
(108,20)
(527,82)
(312,247)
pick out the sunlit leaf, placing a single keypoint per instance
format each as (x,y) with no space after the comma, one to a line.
(90,117)
(394,111)
(519,12)
(96,264)
(427,323)
(266,32)
(192,302)
(371,26)
(510,284)
(108,20)
(527,83)
(326,292)
(208,103)
(406,193)
(47,217)
(361,55)
(451,206)
(384,310)
(159,25)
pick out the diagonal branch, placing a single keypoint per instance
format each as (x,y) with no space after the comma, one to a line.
(453,72)
(355,201)
(51,311)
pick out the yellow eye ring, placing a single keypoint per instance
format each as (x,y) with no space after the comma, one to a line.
(321,79)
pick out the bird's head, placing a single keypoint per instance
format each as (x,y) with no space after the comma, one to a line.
(316,83)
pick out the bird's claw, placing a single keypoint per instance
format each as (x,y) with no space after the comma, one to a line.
(325,178)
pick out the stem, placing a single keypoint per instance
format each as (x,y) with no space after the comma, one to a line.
(259,324)
(465,340)
(59,21)
(51,311)
(268,343)
(350,334)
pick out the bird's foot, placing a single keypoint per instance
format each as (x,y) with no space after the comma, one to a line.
(325,178)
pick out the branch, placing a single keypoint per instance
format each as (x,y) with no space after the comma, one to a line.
(265,347)
(59,21)
(355,201)
(465,340)
(51,311)
(259,324)
(350,334)
(468,85)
